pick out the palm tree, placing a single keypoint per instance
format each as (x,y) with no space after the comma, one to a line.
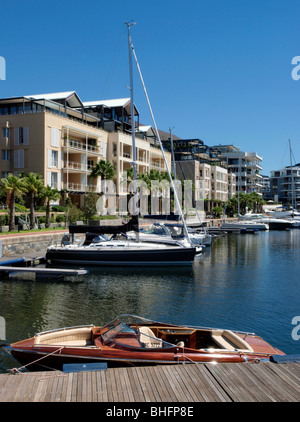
(103,169)
(49,194)
(34,184)
(257,201)
(15,187)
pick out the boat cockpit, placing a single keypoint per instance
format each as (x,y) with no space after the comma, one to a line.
(140,333)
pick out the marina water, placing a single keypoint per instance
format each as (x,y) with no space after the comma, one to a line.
(248,282)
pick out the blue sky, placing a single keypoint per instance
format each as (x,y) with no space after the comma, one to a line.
(214,69)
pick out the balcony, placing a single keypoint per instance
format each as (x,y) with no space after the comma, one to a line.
(78,187)
(80,146)
(76,166)
(157,165)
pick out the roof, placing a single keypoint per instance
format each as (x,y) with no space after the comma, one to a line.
(70,97)
(119,102)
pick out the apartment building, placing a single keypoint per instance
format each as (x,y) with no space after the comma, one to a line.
(114,115)
(285,185)
(206,169)
(62,138)
(47,135)
(246,166)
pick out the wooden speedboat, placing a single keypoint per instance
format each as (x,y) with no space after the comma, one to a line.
(131,341)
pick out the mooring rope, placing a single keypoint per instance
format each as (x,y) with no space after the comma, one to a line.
(18,370)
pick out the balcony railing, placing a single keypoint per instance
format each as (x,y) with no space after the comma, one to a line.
(78,187)
(73,165)
(72,143)
(157,165)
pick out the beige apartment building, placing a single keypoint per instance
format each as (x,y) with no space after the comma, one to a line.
(210,181)
(52,134)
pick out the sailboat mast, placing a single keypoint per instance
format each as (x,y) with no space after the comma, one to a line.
(129,24)
(161,147)
(292,178)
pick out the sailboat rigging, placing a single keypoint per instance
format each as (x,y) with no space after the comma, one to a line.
(100,250)
(157,133)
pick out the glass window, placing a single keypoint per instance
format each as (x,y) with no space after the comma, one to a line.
(6,132)
(5,154)
(3,110)
(54,158)
(53,180)
(21,136)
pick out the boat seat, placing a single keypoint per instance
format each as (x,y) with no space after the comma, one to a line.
(73,337)
(148,338)
(180,344)
(228,340)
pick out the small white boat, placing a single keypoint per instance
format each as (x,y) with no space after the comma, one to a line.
(244,225)
(159,233)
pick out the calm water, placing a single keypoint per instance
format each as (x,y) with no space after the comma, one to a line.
(246,282)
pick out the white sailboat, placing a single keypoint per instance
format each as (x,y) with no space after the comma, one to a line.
(104,251)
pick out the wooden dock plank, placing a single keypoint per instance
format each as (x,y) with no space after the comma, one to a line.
(160,384)
(276,382)
(208,386)
(263,382)
(101,386)
(260,394)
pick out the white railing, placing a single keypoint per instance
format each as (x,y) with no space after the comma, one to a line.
(81,187)
(157,165)
(72,143)
(75,165)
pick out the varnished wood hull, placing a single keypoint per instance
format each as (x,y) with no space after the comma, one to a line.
(139,342)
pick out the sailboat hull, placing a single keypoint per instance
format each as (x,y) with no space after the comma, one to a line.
(82,256)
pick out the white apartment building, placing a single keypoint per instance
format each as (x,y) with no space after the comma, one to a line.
(246,166)
(285,185)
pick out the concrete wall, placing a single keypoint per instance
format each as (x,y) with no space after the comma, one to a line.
(18,245)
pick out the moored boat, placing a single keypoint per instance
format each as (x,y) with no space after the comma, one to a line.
(130,340)
(120,253)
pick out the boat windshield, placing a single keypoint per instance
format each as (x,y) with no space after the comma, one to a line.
(135,333)
(111,333)
(156,229)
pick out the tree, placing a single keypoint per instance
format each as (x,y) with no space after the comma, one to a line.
(49,194)
(257,202)
(34,184)
(15,187)
(90,207)
(103,169)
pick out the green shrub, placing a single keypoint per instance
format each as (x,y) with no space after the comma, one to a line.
(60,218)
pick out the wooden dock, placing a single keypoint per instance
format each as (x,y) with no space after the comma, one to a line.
(42,272)
(189,383)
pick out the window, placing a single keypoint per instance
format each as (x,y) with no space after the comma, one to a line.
(6,132)
(6,154)
(21,136)
(54,158)
(53,180)
(4,111)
